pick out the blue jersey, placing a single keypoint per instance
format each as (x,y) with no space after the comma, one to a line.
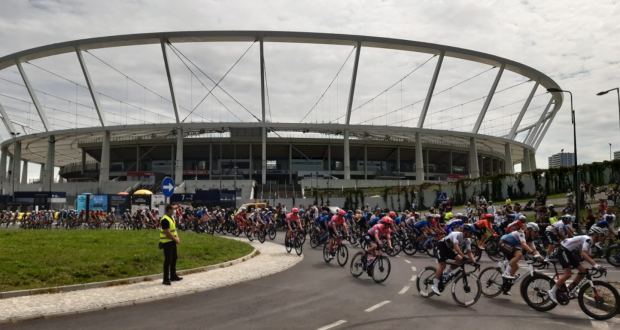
(199,213)
(453,224)
(602,224)
(421,224)
(322,219)
(374,221)
(397,221)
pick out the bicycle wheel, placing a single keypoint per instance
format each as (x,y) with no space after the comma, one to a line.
(431,250)
(534,292)
(261,236)
(491,281)
(357,265)
(298,245)
(326,255)
(314,240)
(353,239)
(475,250)
(288,244)
(466,289)
(381,269)
(272,233)
(600,302)
(409,247)
(424,282)
(613,256)
(342,255)
(396,248)
(493,252)
(302,237)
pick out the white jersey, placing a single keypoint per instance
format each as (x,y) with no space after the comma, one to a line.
(491,209)
(456,237)
(573,244)
(557,227)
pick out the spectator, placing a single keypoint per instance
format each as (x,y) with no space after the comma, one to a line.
(589,220)
(168,241)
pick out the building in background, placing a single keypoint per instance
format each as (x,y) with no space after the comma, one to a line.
(617,154)
(562,159)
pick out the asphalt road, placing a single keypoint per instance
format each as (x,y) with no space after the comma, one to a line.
(317,295)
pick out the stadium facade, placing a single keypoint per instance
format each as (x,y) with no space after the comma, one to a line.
(109,156)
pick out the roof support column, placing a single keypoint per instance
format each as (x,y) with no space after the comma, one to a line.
(42,173)
(365,162)
(25,172)
(513,131)
(48,178)
(91,86)
(329,160)
(17,162)
(290,163)
(398,159)
(178,165)
(419,159)
(251,161)
(210,161)
(487,102)
(164,52)
(262,99)
(347,160)
(541,136)
(508,167)
(104,166)
(33,96)
(3,158)
(83,164)
(525,164)
(137,158)
(474,171)
(431,89)
(532,161)
(540,121)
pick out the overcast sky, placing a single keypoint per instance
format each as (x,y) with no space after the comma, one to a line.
(573,42)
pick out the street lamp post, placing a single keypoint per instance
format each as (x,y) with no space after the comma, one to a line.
(610,159)
(14,134)
(575,174)
(617,89)
(235,184)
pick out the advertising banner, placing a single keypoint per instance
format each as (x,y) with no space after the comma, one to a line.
(158,202)
(81,203)
(119,203)
(98,203)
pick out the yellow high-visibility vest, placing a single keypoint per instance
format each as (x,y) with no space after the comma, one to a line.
(173,229)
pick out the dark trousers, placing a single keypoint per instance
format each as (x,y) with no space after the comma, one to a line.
(170,260)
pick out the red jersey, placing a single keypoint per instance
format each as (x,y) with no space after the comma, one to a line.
(380,229)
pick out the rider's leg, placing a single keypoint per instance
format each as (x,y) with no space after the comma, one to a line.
(513,266)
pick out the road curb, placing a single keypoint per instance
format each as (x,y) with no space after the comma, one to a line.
(131,280)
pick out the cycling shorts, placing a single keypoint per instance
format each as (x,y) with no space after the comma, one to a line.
(418,232)
(369,239)
(444,252)
(332,233)
(508,250)
(568,259)
(322,225)
(552,237)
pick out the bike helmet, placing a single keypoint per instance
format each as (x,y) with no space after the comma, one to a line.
(325,212)
(295,210)
(350,211)
(387,220)
(257,211)
(393,214)
(242,209)
(532,226)
(341,212)
(596,230)
(458,215)
(550,206)
(522,217)
(490,202)
(469,227)
(437,216)
(381,215)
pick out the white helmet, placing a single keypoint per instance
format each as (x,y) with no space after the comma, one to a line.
(550,205)
(596,230)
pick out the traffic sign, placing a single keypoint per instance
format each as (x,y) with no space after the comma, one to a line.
(442,196)
(167,186)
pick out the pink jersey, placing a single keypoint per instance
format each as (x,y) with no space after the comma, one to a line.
(336,220)
(380,229)
(292,217)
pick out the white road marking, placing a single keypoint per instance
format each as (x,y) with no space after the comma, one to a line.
(414,269)
(377,306)
(407,261)
(414,277)
(397,256)
(599,324)
(335,324)
(407,287)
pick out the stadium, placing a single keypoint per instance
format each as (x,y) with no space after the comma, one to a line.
(381,109)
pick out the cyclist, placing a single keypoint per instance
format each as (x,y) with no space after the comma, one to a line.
(240,218)
(376,220)
(336,221)
(512,246)
(292,221)
(518,224)
(454,224)
(374,235)
(421,228)
(568,260)
(448,248)
(483,226)
(555,234)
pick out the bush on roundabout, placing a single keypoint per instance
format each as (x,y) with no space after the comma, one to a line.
(40,258)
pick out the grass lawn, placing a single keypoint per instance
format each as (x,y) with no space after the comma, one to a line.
(41,258)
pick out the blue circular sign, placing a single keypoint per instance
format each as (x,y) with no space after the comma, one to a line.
(167,186)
